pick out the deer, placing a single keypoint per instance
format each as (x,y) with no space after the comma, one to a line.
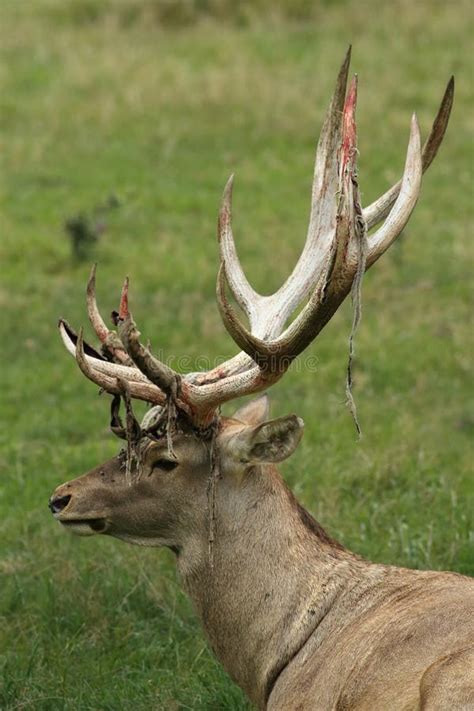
(298,621)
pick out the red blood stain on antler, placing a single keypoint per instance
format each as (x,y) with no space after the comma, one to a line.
(123,308)
(349,130)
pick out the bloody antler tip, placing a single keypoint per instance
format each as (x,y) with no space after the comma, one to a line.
(123,309)
(351,98)
(349,130)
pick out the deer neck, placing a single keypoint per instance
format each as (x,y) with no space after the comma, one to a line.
(274,577)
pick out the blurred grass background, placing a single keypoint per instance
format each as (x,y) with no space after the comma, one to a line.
(135,112)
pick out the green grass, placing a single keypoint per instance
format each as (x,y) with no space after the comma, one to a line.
(124,99)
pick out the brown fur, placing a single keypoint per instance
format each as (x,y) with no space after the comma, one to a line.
(298,621)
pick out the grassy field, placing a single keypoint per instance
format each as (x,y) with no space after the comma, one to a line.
(124,103)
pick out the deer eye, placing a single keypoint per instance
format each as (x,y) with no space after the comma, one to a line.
(166,465)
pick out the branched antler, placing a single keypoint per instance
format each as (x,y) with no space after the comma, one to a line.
(336,253)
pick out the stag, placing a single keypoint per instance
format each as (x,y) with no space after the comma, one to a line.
(298,621)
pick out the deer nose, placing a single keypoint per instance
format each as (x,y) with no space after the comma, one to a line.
(58,503)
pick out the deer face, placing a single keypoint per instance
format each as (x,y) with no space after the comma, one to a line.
(168,498)
(150,509)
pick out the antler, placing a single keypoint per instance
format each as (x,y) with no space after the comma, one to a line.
(336,254)
(379,209)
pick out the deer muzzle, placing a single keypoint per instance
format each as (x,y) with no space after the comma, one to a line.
(81,526)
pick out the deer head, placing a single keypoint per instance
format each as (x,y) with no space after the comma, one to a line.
(168,499)
(163,487)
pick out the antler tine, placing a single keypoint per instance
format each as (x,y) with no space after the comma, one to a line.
(406,201)
(95,318)
(440,124)
(111,343)
(380,208)
(160,374)
(325,167)
(244,294)
(140,390)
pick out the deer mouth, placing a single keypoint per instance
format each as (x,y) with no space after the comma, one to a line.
(84,526)
(81,525)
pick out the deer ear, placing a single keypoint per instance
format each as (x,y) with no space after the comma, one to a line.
(271,441)
(253,412)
